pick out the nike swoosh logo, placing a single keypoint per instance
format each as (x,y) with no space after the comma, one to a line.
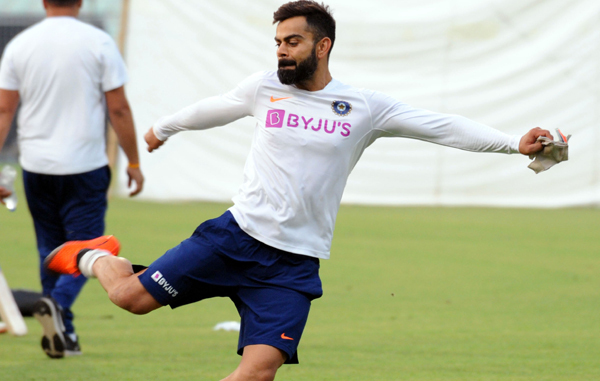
(278,99)
(283,336)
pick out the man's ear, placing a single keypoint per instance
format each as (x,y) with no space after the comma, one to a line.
(323,47)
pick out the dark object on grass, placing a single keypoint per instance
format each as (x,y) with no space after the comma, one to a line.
(25,300)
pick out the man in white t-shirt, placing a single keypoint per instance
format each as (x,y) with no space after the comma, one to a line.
(264,252)
(66,74)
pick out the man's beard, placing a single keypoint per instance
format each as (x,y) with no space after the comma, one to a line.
(302,73)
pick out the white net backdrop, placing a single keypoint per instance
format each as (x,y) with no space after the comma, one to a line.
(511,64)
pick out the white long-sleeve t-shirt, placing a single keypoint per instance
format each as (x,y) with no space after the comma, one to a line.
(305,145)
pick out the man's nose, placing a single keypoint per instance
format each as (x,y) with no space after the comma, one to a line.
(282,51)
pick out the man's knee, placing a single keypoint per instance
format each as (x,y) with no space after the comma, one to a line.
(257,374)
(259,363)
(133,297)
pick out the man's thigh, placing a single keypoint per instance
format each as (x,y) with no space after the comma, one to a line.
(272,316)
(191,271)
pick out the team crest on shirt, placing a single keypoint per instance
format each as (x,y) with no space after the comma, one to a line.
(341,108)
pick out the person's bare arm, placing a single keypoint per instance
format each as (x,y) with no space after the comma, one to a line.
(9,100)
(121,118)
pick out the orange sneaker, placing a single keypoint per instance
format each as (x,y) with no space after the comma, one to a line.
(65,258)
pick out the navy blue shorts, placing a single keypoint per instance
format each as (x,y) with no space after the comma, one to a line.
(272,289)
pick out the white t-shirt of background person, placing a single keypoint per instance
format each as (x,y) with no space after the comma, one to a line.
(305,145)
(61,68)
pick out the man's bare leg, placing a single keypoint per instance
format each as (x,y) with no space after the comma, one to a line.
(98,258)
(259,363)
(124,289)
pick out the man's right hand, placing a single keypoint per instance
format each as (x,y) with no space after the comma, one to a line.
(135,177)
(152,141)
(4,193)
(529,143)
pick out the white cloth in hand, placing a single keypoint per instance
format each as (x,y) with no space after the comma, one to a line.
(553,153)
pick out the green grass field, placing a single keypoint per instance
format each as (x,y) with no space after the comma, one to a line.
(410,294)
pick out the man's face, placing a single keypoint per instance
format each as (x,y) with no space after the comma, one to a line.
(296,51)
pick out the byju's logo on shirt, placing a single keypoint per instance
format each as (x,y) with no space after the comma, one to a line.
(158,278)
(277,118)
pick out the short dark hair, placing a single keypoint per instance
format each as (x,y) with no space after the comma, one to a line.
(62,3)
(318,17)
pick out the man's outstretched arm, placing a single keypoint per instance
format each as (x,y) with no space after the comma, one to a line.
(393,118)
(208,113)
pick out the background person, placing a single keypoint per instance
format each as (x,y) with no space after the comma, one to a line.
(65,73)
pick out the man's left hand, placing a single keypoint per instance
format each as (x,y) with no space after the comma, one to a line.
(529,143)
(152,141)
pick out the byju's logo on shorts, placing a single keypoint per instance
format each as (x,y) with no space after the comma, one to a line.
(158,278)
(275,118)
